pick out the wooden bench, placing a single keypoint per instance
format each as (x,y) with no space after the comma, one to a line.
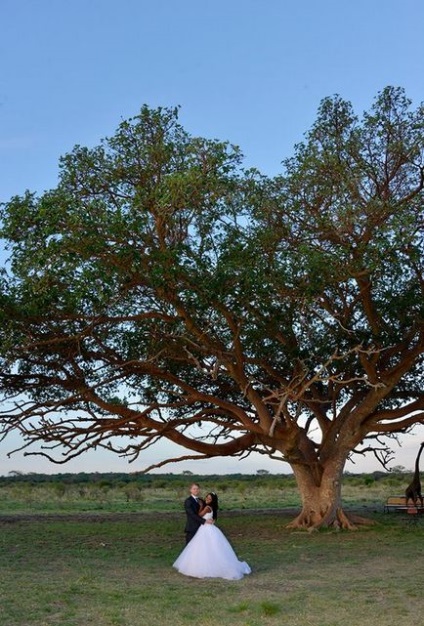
(398,503)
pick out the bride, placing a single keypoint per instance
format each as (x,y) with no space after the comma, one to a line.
(209,554)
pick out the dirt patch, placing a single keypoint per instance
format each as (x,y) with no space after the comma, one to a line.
(100,517)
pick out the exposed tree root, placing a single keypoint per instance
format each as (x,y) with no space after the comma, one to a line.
(359,520)
(338,519)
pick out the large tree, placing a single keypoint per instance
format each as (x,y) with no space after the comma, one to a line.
(161,291)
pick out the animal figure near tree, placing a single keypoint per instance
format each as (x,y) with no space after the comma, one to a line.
(413,491)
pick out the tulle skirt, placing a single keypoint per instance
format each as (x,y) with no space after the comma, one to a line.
(210,555)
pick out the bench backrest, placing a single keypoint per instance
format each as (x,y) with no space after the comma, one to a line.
(396,500)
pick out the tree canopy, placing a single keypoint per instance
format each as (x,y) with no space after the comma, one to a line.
(163,290)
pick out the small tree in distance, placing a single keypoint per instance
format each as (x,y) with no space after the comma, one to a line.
(163,291)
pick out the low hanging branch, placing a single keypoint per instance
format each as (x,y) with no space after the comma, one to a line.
(163,291)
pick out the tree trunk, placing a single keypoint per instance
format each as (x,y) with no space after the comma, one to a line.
(320,491)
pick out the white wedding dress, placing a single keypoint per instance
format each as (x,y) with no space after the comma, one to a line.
(210,555)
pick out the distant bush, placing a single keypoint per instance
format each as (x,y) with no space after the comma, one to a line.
(180,482)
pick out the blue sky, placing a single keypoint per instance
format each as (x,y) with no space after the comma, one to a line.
(249,71)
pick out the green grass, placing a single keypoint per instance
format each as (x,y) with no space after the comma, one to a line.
(101,555)
(64,494)
(117,570)
(62,498)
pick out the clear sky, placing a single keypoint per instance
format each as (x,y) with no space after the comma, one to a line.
(249,71)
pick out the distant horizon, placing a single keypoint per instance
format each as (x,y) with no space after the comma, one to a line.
(16,474)
(104,461)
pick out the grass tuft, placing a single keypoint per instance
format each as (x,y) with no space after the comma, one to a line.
(269,609)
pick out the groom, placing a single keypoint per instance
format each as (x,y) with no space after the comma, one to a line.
(192,506)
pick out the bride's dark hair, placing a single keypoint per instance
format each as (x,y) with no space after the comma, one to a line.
(214,503)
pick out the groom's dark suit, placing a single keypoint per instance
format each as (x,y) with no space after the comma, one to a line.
(194,520)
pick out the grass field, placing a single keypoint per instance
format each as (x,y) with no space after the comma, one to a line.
(65,563)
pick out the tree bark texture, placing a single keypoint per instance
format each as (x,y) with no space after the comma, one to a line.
(320,492)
